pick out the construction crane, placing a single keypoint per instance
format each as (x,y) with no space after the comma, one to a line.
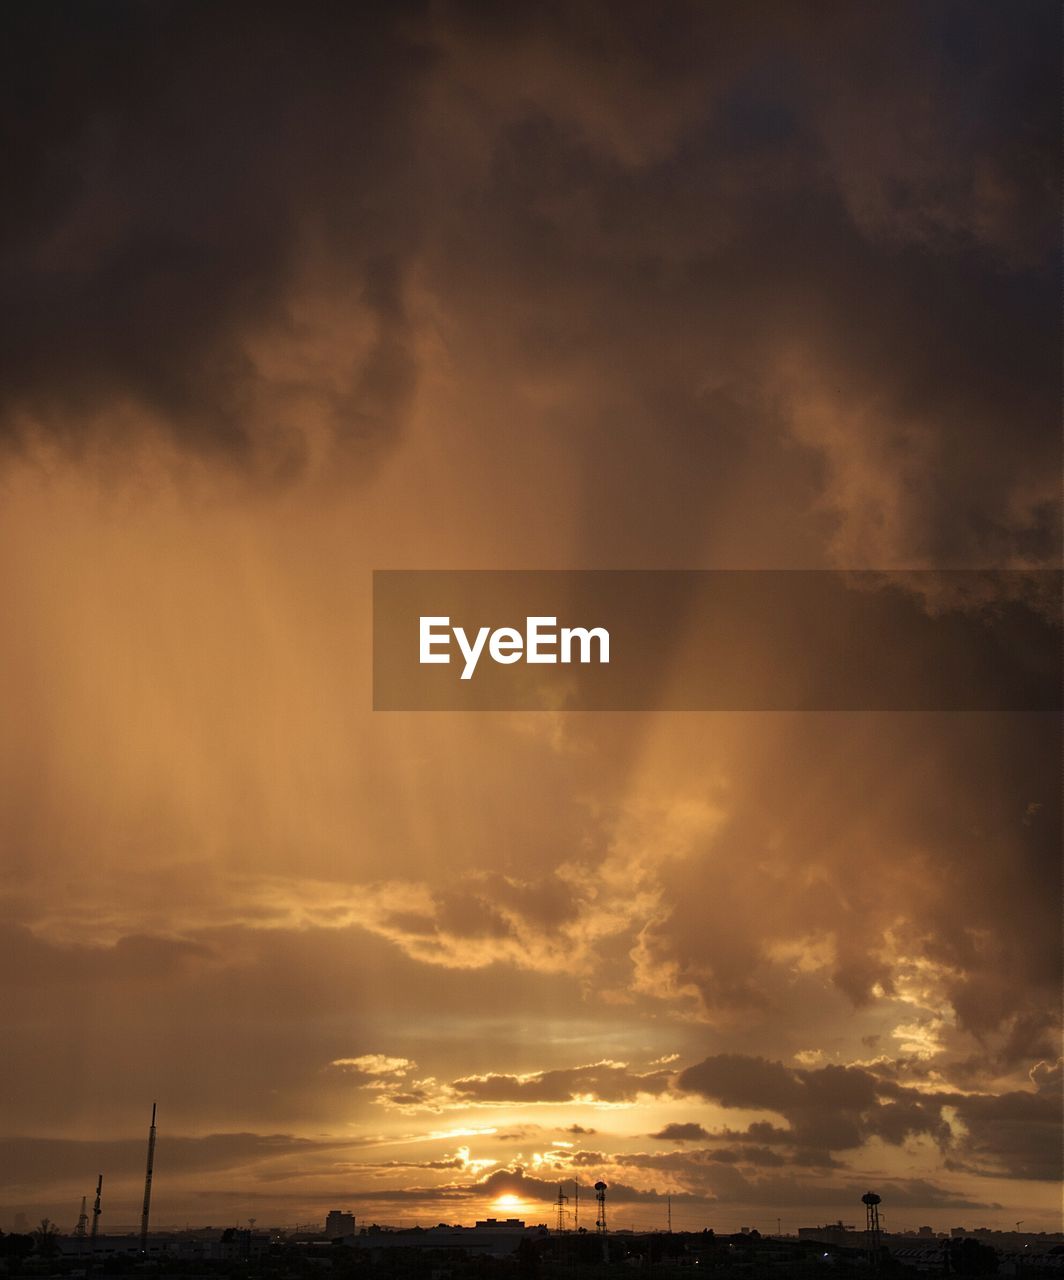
(96,1210)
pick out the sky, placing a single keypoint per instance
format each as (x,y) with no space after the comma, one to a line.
(297,293)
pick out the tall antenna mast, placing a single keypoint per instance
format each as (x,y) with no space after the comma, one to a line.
(147,1184)
(668,1210)
(600,1223)
(96,1210)
(560,1204)
(576,1206)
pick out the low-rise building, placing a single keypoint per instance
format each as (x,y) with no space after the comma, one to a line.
(488,1236)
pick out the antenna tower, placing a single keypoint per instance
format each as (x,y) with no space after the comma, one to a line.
(559,1206)
(668,1210)
(147,1184)
(83,1219)
(600,1223)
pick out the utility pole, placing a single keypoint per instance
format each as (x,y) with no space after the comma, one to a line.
(668,1211)
(147,1184)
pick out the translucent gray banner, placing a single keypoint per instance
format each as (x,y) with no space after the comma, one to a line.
(728,640)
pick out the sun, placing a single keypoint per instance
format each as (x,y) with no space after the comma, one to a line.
(507,1202)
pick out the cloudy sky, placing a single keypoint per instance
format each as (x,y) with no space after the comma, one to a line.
(294,293)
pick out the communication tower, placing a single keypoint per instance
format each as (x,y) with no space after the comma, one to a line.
(600,1222)
(145,1211)
(560,1210)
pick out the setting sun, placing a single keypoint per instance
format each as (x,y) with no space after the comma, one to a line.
(507,1202)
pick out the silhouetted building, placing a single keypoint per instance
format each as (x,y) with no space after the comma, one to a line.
(235,1244)
(489,1236)
(840,1234)
(338,1223)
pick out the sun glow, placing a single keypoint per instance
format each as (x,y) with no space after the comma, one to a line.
(507,1202)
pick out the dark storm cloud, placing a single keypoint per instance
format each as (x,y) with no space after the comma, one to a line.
(748,1148)
(450,1162)
(654,211)
(829,1108)
(949,871)
(687,1161)
(597,1082)
(759,1131)
(680,209)
(1015,1134)
(706,1188)
(167,167)
(518,1182)
(681,1132)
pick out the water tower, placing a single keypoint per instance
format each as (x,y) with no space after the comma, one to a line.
(871,1203)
